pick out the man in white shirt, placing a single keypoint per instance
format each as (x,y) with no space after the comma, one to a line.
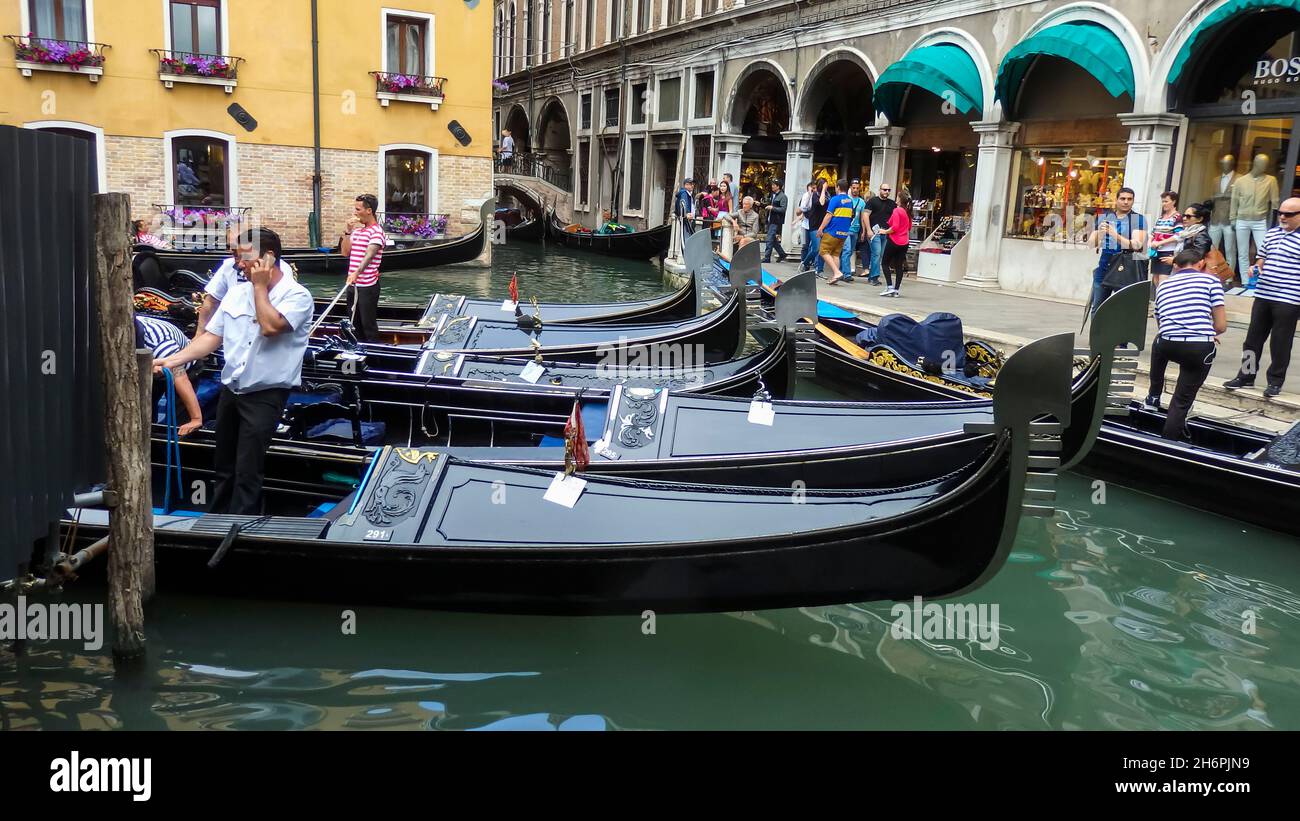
(227,274)
(262,326)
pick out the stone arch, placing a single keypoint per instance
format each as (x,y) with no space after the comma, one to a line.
(755,75)
(517,122)
(812,94)
(1119,25)
(555,135)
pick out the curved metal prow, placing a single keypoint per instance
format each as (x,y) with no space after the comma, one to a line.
(1117,336)
(746,266)
(796,312)
(1034,382)
(698,254)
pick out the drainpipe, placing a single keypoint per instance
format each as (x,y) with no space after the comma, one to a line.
(315,103)
(616,209)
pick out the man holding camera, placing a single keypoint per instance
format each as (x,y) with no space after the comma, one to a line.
(1121,231)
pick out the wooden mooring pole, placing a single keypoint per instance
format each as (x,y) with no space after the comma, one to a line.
(126,426)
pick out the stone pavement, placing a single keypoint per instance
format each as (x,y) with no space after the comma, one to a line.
(1007,321)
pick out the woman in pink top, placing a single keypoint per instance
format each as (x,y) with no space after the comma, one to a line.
(723,199)
(898,231)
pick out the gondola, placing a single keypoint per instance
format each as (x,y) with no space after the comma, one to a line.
(427,528)
(425,254)
(648,244)
(184,288)
(529,230)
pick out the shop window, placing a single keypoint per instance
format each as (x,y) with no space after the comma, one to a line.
(407,46)
(703,96)
(584,112)
(196,26)
(635,173)
(670,99)
(584,171)
(59,19)
(637,113)
(1058,190)
(611,107)
(406,182)
(200,171)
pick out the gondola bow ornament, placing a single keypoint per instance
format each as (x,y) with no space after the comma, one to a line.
(576,455)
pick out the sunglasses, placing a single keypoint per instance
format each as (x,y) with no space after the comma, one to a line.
(1288,213)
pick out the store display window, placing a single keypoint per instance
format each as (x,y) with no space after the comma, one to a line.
(1057,191)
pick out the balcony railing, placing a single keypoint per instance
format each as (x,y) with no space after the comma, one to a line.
(411,88)
(193,67)
(198,227)
(534,165)
(45,54)
(412,224)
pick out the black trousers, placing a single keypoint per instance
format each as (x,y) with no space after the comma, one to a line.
(774,237)
(895,262)
(363,307)
(1194,360)
(245,424)
(1276,322)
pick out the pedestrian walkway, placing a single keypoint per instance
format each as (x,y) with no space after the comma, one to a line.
(1008,321)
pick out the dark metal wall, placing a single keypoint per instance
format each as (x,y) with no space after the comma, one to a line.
(51,406)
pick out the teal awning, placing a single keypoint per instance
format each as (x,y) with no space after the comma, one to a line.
(939,69)
(1091,46)
(1220,16)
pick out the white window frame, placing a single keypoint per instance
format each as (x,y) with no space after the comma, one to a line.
(26,19)
(101,166)
(167,26)
(681,81)
(569,40)
(604,104)
(591,92)
(384,14)
(627,173)
(232,162)
(627,96)
(609,20)
(636,17)
(584,203)
(433,171)
(690,115)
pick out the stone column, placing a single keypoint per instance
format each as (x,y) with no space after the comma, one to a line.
(728,147)
(1150,147)
(887,148)
(989,206)
(798,173)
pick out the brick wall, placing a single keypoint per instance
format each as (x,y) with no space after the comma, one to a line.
(135,167)
(460,179)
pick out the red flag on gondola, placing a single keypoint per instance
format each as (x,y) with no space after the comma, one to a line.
(576,456)
(514,288)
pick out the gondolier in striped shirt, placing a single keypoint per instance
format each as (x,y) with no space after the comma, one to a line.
(165,339)
(363,245)
(1277,303)
(1189,309)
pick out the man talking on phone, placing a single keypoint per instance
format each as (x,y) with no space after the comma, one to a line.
(261,326)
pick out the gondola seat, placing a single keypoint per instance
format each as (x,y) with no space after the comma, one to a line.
(593,424)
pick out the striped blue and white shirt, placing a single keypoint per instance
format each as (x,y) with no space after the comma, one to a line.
(1280,278)
(1184,303)
(160,336)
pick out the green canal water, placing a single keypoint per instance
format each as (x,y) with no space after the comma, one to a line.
(1124,612)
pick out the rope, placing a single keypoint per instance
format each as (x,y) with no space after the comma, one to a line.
(173,446)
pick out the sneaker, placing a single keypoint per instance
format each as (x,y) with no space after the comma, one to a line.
(1238,382)
(887,292)
(1151,403)
(1271,391)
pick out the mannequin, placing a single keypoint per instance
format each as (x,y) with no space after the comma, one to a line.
(1221,231)
(1254,199)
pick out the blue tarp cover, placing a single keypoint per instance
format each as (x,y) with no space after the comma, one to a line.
(930,338)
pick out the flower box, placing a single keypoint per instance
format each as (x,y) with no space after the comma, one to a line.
(199,69)
(411,88)
(33,53)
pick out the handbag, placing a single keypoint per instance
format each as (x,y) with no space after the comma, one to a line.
(1125,268)
(1217,264)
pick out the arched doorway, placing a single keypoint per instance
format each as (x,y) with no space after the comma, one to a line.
(837,106)
(517,123)
(760,110)
(554,143)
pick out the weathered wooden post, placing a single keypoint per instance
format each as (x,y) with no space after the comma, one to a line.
(130,554)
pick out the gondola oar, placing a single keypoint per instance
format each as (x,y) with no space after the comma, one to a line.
(328,308)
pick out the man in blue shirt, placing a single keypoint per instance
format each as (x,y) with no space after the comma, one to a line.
(684,206)
(834,228)
(855,228)
(1119,232)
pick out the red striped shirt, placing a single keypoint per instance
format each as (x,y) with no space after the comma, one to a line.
(362,239)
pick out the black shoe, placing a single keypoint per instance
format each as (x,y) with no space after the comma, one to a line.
(781,258)
(1151,403)
(1238,382)
(1271,391)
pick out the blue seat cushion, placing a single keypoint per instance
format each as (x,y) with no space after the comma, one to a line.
(372,433)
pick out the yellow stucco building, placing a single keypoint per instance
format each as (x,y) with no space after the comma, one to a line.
(210,103)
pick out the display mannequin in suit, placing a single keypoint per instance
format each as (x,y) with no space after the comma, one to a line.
(1221,231)
(1254,199)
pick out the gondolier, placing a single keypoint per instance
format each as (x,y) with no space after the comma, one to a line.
(262,329)
(363,245)
(1277,303)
